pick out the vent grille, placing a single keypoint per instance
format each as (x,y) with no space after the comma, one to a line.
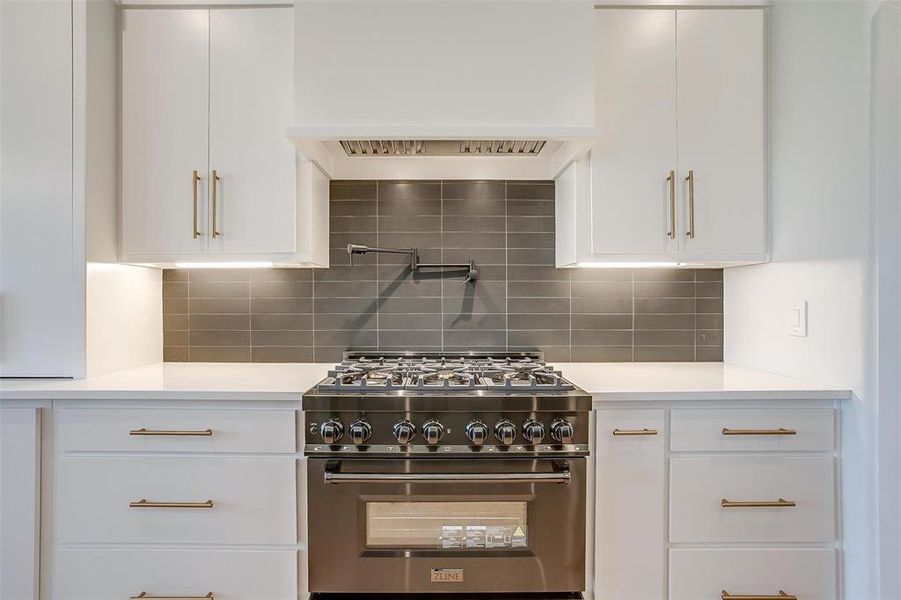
(369,148)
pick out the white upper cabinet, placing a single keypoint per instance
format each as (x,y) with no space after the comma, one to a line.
(165,130)
(720,99)
(250,105)
(678,173)
(208,173)
(637,116)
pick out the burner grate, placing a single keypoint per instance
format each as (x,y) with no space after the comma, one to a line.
(444,373)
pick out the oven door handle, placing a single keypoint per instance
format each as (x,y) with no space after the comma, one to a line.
(562,475)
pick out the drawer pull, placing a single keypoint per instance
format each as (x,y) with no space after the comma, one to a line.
(778,503)
(145,503)
(644,431)
(780,431)
(780,596)
(144,596)
(145,431)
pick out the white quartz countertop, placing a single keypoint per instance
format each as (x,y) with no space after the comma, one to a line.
(244,381)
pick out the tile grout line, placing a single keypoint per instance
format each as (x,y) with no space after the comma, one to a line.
(188,311)
(633,314)
(569,277)
(694,278)
(313,311)
(378,307)
(441,230)
(506,266)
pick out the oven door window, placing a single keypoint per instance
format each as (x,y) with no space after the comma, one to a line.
(447,525)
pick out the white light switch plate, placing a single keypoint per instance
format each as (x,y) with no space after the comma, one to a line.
(798,319)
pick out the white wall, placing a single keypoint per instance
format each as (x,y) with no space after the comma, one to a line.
(124,312)
(124,317)
(821,212)
(887,246)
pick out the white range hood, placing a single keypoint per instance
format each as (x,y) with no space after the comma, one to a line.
(494,79)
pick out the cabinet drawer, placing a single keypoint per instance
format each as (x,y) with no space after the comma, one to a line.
(806,429)
(699,487)
(119,574)
(702,574)
(253,500)
(175,430)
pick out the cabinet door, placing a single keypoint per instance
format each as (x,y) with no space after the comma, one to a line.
(721,95)
(165,95)
(41,281)
(636,100)
(251,91)
(20,481)
(630,505)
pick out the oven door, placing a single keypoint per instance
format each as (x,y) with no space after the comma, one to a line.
(446,525)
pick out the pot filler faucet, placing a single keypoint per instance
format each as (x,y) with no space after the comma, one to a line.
(472,274)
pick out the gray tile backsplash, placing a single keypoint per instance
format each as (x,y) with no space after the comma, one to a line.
(521,302)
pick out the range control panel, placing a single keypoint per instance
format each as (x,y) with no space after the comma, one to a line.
(446,433)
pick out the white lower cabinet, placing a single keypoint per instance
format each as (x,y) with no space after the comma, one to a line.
(630,504)
(119,574)
(20,486)
(808,573)
(685,511)
(176,499)
(752,499)
(175,430)
(203,501)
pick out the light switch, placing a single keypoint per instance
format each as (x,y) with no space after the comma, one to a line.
(798,319)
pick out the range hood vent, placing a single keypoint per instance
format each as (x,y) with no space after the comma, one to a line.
(394,148)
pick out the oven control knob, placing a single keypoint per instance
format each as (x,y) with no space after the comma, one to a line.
(533,431)
(360,432)
(477,432)
(562,431)
(505,432)
(331,431)
(432,432)
(404,432)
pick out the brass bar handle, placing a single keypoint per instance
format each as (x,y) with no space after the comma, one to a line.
(173,432)
(144,596)
(644,431)
(780,431)
(672,205)
(778,503)
(145,503)
(691,204)
(215,182)
(780,596)
(195,179)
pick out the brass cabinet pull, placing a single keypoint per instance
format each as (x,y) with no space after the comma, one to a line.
(778,503)
(215,182)
(691,204)
(780,431)
(195,178)
(644,431)
(672,205)
(145,503)
(780,596)
(144,596)
(177,432)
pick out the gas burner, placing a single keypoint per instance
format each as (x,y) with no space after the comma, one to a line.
(519,373)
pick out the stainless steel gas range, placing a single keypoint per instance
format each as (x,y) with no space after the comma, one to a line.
(450,473)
